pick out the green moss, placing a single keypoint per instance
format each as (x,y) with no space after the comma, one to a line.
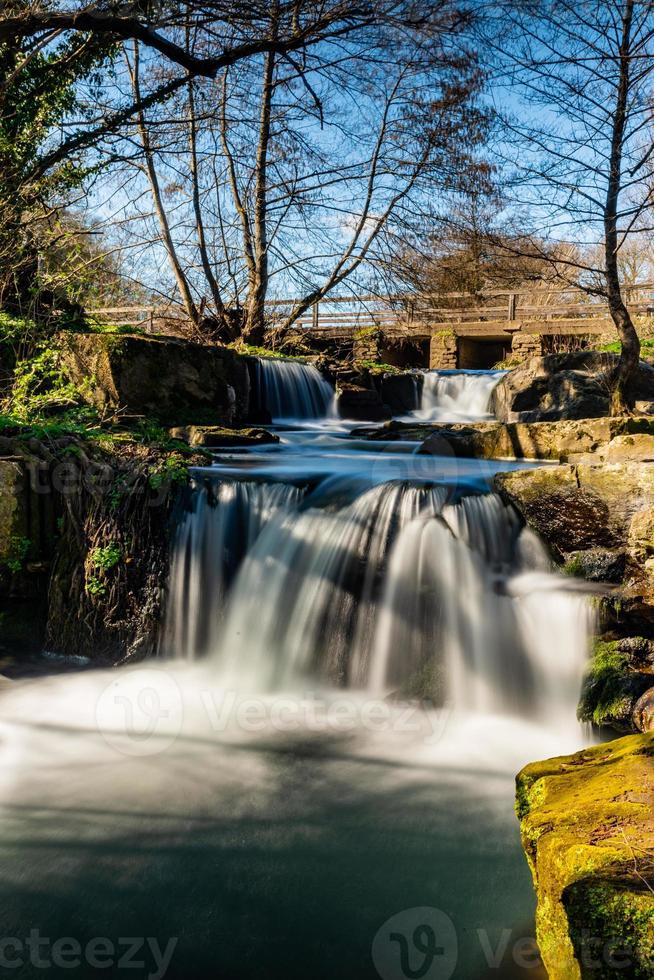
(242,348)
(612,924)
(574,567)
(604,698)
(93,325)
(376,367)
(586,826)
(611,688)
(14,558)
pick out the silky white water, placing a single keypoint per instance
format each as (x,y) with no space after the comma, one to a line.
(292,389)
(362,646)
(453,396)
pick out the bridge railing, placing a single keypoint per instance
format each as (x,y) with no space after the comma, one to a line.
(350,313)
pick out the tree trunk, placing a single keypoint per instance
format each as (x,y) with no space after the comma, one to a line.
(623,377)
(166,235)
(212,282)
(255,322)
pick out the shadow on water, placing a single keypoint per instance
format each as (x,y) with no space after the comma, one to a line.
(281,860)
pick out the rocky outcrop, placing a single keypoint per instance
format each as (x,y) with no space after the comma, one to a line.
(361,404)
(587,824)
(587,504)
(84,544)
(401,392)
(215,437)
(163,378)
(560,441)
(620,672)
(563,386)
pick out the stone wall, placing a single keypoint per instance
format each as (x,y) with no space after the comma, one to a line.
(524,345)
(443,350)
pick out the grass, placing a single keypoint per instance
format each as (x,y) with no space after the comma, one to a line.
(646,348)
(252,351)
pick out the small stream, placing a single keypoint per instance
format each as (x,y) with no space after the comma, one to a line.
(362,646)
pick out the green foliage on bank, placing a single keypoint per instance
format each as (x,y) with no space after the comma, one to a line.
(17,552)
(646,348)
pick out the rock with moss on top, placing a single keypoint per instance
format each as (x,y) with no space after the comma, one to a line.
(587,828)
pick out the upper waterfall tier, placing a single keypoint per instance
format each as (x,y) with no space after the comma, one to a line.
(450,396)
(292,389)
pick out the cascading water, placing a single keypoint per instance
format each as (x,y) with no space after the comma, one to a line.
(456,395)
(303,607)
(292,390)
(219,525)
(366,646)
(397,593)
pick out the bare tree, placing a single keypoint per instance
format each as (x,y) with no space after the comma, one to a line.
(288,169)
(578,141)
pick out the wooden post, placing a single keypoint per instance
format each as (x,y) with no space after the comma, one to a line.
(315,315)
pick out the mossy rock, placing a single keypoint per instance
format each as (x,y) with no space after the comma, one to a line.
(171,380)
(217,436)
(612,688)
(587,824)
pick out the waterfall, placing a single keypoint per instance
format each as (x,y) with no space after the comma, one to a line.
(305,600)
(398,593)
(216,531)
(453,395)
(292,389)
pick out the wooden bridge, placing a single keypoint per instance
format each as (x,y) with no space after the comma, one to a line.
(447,331)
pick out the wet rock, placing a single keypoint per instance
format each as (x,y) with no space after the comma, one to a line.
(643,713)
(569,517)
(586,824)
(401,392)
(363,404)
(638,651)
(562,386)
(171,380)
(216,436)
(597,565)
(581,506)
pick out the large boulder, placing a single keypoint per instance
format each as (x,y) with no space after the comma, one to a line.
(585,505)
(587,824)
(361,404)
(401,392)
(171,380)
(216,437)
(563,386)
(569,517)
